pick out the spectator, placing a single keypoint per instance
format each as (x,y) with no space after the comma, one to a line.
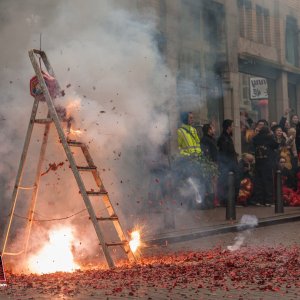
(284,123)
(260,124)
(208,143)
(290,197)
(187,167)
(188,140)
(210,150)
(291,146)
(265,156)
(279,135)
(297,139)
(288,178)
(294,121)
(246,179)
(227,160)
(273,123)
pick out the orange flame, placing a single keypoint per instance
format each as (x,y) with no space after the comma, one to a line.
(135,241)
(76,132)
(56,255)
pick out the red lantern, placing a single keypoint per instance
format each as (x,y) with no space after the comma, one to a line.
(36,90)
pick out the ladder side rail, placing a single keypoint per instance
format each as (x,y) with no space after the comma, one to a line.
(108,203)
(45,61)
(19,176)
(36,185)
(71,159)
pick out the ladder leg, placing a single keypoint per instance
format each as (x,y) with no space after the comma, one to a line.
(36,185)
(19,176)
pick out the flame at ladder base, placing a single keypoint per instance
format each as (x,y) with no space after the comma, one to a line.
(135,241)
(56,255)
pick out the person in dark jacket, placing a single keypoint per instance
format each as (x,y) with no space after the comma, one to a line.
(208,143)
(210,151)
(265,162)
(227,160)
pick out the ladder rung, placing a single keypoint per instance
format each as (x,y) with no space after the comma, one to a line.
(116,244)
(26,187)
(75,143)
(96,193)
(80,168)
(43,121)
(112,218)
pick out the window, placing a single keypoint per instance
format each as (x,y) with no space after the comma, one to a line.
(245,15)
(213,24)
(292,93)
(263,25)
(291,41)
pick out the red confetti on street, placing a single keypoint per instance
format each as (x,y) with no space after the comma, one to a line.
(260,270)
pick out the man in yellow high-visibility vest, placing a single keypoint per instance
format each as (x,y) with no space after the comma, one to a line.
(188,140)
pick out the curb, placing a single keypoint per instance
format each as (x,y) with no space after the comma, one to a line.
(263,222)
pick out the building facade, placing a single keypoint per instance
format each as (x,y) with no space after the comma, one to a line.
(236,59)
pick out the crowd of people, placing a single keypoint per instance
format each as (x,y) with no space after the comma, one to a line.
(266,148)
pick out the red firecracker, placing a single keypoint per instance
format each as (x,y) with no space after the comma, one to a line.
(36,90)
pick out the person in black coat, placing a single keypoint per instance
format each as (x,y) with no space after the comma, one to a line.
(209,143)
(227,160)
(265,162)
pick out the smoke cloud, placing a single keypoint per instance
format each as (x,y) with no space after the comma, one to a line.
(246,225)
(105,57)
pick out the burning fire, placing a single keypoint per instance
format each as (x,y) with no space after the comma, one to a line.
(56,255)
(135,241)
(76,132)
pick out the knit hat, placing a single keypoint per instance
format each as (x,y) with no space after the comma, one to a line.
(184,117)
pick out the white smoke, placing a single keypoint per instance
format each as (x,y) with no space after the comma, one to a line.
(247,223)
(195,188)
(112,67)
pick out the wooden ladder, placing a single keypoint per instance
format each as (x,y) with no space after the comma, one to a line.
(67,144)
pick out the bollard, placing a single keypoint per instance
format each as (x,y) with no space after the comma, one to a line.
(278,193)
(230,207)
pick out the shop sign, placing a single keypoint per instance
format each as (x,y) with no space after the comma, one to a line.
(258,88)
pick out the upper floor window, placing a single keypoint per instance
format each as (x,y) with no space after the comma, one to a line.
(213,24)
(245,16)
(291,41)
(263,25)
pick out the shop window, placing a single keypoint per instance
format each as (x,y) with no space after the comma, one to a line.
(263,25)
(291,41)
(245,18)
